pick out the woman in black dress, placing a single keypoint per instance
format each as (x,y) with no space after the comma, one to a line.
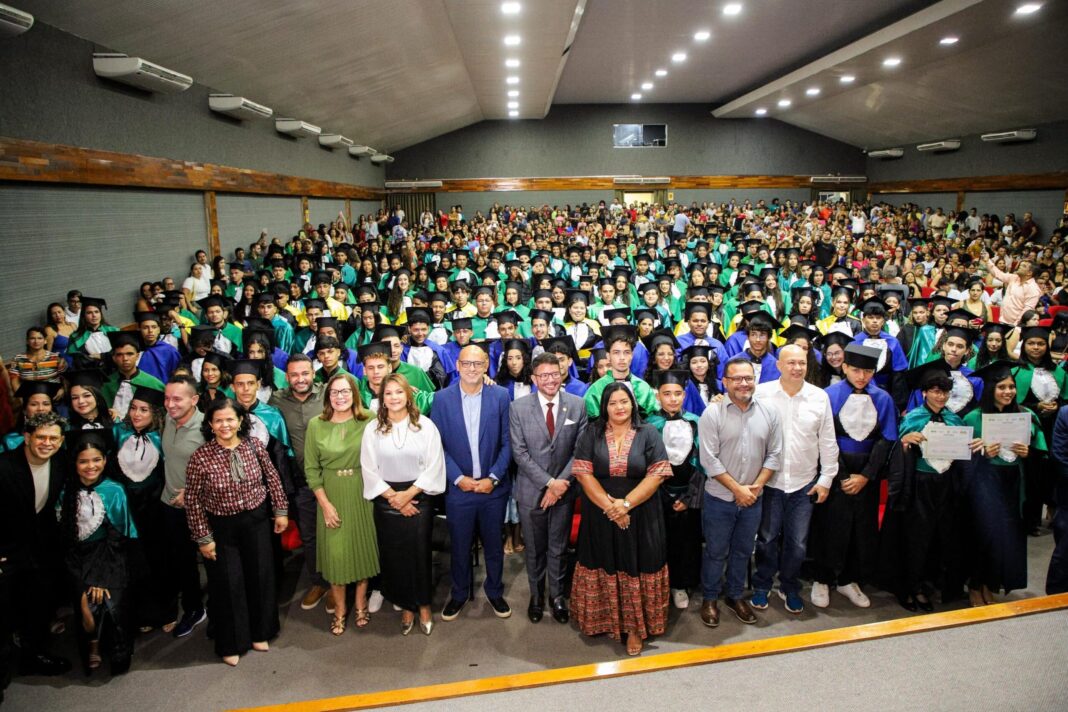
(620,585)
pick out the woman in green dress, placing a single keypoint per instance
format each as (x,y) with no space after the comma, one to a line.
(347,550)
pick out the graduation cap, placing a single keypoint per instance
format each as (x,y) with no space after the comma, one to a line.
(748,308)
(251,335)
(597,354)
(520,344)
(735,253)
(606,282)
(141,317)
(490,274)
(330,322)
(968,335)
(997,371)
(94,302)
(993,326)
(940,300)
(643,313)
(439,274)
(439,297)
(715,289)
(1034,332)
(799,331)
(385,331)
(375,348)
(461,322)
(247,366)
(841,273)
(694,307)
(417,315)
(218,360)
(577,295)
(647,287)
(932,373)
(215,300)
(798,292)
(32,388)
(873,306)
(201,333)
(152,396)
(619,313)
(962,314)
(119,339)
(258,322)
(623,272)
(768,272)
(507,316)
(321,277)
(560,345)
(263,298)
(619,332)
(86,377)
(460,285)
(661,336)
(835,337)
(762,320)
(543,314)
(860,356)
(698,351)
(673,377)
(840,290)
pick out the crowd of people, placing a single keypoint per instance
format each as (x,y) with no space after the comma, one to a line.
(703,385)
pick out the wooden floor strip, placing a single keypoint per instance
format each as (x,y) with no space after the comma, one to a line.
(683,658)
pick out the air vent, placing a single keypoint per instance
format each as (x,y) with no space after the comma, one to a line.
(1010,136)
(409,184)
(139,73)
(238,107)
(14,22)
(296,127)
(887,153)
(838,179)
(947,145)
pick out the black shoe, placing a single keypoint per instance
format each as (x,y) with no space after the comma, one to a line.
(923,603)
(535,610)
(452,609)
(560,612)
(907,602)
(41,664)
(500,607)
(189,621)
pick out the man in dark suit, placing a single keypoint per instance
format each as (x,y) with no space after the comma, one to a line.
(545,426)
(472,417)
(30,483)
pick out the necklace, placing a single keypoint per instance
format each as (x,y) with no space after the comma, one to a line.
(393,435)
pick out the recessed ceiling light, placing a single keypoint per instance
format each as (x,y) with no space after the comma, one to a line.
(647,86)
(732,8)
(635,96)
(513,114)
(513,93)
(510,8)
(784,103)
(702,35)
(948,40)
(661,72)
(812,91)
(513,105)
(511,80)
(678,57)
(891,61)
(511,63)
(1028,8)
(512,40)
(760,112)
(847,79)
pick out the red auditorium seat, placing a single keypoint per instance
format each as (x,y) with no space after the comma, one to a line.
(576,518)
(926,292)
(1045,322)
(1055,310)
(995,314)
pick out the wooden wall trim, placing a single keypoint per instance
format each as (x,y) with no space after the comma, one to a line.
(22,160)
(564,183)
(211,215)
(973,184)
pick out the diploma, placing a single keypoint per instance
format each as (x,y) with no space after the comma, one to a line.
(1007,429)
(947,442)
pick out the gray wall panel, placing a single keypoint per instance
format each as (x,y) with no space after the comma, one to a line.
(946,201)
(576,140)
(60,100)
(472,202)
(364,207)
(103,241)
(325,210)
(242,217)
(725,195)
(1047,206)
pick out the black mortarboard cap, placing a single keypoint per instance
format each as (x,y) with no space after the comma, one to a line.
(923,375)
(860,356)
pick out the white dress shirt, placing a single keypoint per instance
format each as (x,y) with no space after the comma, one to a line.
(545,407)
(402,455)
(808,435)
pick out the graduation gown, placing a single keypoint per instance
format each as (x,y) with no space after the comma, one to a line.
(766,367)
(431,359)
(269,427)
(643,394)
(890,375)
(118,391)
(697,399)
(844,538)
(967,390)
(423,399)
(160,360)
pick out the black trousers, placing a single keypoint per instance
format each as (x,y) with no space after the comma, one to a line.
(405,554)
(181,570)
(241,582)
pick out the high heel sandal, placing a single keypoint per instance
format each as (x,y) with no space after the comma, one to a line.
(94,659)
(407,626)
(634,648)
(426,627)
(362,617)
(337,624)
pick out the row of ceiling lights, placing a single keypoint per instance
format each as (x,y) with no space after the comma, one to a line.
(730,10)
(894,61)
(512,40)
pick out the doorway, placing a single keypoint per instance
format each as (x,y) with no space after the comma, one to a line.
(632,198)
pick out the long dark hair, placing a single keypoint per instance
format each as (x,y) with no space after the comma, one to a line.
(103,413)
(504,376)
(986,401)
(601,423)
(68,516)
(984,356)
(222,404)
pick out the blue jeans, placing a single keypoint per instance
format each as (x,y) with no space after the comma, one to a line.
(730,532)
(782,538)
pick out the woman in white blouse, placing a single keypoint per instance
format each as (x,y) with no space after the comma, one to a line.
(403,466)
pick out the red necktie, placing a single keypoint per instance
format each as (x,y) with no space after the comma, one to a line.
(550,422)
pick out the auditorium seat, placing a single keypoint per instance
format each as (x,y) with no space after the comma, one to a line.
(926,292)
(995,314)
(1055,310)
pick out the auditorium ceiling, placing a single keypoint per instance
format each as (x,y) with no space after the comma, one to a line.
(393,73)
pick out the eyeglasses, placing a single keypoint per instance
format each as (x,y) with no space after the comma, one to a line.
(741,379)
(547,376)
(341,391)
(471,364)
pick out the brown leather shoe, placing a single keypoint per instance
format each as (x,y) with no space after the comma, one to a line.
(710,613)
(312,598)
(741,608)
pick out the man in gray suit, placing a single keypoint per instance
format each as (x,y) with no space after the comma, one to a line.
(545,426)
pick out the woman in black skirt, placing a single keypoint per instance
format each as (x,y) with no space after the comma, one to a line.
(403,467)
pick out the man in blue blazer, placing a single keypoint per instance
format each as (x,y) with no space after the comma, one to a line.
(472,418)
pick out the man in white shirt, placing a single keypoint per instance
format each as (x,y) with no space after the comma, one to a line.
(801,481)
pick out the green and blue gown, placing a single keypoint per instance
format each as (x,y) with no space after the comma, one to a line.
(118,391)
(1032,386)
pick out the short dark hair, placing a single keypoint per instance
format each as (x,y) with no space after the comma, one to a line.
(184,378)
(611,389)
(298,358)
(221,404)
(42,420)
(545,357)
(739,359)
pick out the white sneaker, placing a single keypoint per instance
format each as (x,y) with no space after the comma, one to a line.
(374,603)
(821,595)
(680,598)
(855,595)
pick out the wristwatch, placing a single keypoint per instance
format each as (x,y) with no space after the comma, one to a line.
(626,504)
(495,482)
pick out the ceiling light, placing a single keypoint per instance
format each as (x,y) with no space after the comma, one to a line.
(760,112)
(847,79)
(513,93)
(891,61)
(513,105)
(948,40)
(510,8)
(784,103)
(812,91)
(513,114)
(511,80)
(511,40)
(661,72)
(702,35)
(678,57)
(647,86)
(1028,8)
(635,96)
(511,63)
(732,8)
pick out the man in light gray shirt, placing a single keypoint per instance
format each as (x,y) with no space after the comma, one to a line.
(740,449)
